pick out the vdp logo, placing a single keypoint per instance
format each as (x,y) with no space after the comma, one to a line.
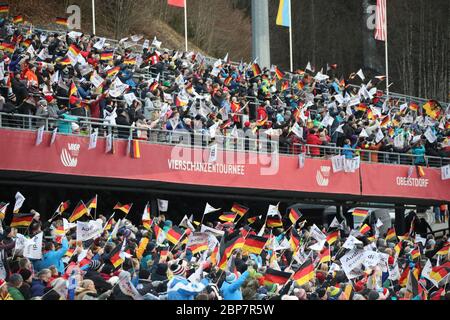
(69,156)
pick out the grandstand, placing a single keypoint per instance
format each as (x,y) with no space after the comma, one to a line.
(130,94)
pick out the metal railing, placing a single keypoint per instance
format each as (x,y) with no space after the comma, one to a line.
(202,139)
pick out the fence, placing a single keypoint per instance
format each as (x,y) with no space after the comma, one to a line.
(199,138)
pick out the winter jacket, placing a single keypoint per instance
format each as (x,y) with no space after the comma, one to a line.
(180,288)
(313,139)
(15,293)
(53,258)
(101,285)
(37,288)
(232,291)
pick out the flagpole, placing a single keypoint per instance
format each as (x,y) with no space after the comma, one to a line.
(290,36)
(93,17)
(96,204)
(185,26)
(386,53)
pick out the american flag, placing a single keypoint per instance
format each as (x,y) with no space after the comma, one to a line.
(380,28)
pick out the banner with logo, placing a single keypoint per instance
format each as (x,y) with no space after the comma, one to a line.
(33,247)
(89,230)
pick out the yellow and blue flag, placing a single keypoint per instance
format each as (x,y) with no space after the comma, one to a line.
(284,17)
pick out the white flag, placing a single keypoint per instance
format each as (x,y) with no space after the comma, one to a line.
(273,211)
(379,223)
(351,242)
(297,130)
(186,223)
(318,246)
(445,172)
(100,44)
(361,74)
(89,230)
(19,202)
(33,247)
(430,135)
(338,163)
(317,234)
(163,205)
(308,67)
(93,140)
(40,135)
(209,209)
(54,134)
(334,223)
(363,134)
(156,43)
(146,44)
(109,143)
(301,160)
(379,136)
(213,153)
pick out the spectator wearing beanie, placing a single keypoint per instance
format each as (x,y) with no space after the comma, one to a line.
(179,288)
(231,288)
(25,289)
(15,282)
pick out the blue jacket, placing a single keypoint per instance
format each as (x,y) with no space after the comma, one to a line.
(37,288)
(53,258)
(419,153)
(232,291)
(180,288)
(348,151)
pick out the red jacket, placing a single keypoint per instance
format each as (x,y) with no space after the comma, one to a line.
(313,139)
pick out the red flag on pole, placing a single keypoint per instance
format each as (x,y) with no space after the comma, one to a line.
(176,3)
(380,21)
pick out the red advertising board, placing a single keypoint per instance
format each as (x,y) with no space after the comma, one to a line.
(393,181)
(70,155)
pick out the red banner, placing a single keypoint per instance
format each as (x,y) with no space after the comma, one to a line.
(393,181)
(70,155)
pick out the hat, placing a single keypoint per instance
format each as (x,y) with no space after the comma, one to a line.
(373,295)
(113,280)
(49,98)
(2,283)
(334,293)
(11,96)
(42,102)
(144,274)
(161,269)
(95,265)
(230,277)
(247,124)
(177,269)
(391,260)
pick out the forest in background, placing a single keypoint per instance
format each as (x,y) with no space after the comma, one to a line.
(325,31)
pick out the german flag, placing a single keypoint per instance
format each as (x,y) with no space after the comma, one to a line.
(361,107)
(294,240)
(278,73)
(65,61)
(325,255)
(227,81)
(18,19)
(130,61)
(332,237)
(225,250)
(136,149)
(200,247)
(432,109)
(73,49)
(116,256)
(294,215)
(413,106)
(305,273)
(284,86)
(420,171)
(63,207)
(238,209)
(8,47)
(3,207)
(227,217)
(440,272)
(73,90)
(364,229)
(106,56)
(80,210)
(26,43)
(403,280)
(385,121)
(444,250)
(438,294)
(157,231)
(92,204)
(69,252)
(4,8)
(415,254)
(109,224)
(146,218)
(360,213)
(256,70)
(163,255)
(254,244)
(391,234)
(123,207)
(252,220)
(61,21)
(274,222)
(273,276)
(174,235)
(22,220)
(142,246)
(154,86)
(112,72)
(398,247)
